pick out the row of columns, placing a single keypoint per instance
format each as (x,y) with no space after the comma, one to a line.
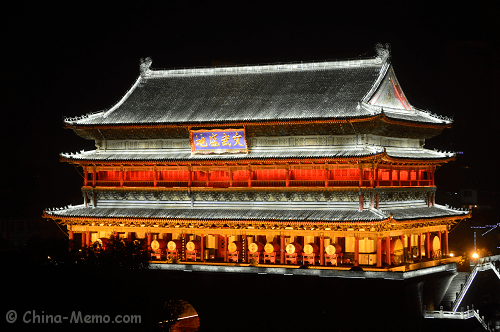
(374,179)
(86,241)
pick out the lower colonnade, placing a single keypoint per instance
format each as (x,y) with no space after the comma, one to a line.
(295,247)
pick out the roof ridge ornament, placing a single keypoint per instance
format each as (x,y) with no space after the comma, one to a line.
(145,64)
(383,53)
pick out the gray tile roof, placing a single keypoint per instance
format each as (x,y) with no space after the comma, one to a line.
(162,155)
(336,152)
(281,215)
(225,214)
(305,92)
(424,212)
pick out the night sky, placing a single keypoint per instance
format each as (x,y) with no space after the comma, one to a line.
(68,61)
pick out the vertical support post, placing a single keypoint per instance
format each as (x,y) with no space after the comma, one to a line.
(244,248)
(282,249)
(202,249)
(360,177)
(427,245)
(207,184)
(230,177)
(326,173)
(85,199)
(399,177)
(418,177)
(94,176)
(70,238)
(360,201)
(379,252)
(84,239)
(89,239)
(190,176)
(149,240)
(402,239)
(433,199)
(85,176)
(408,240)
(376,200)
(356,251)
(287,175)
(446,242)
(377,177)
(321,250)
(155,177)
(225,247)
(440,243)
(249,176)
(429,202)
(372,199)
(390,176)
(420,246)
(121,177)
(372,175)
(388,250)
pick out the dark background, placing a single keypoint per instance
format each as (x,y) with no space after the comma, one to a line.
(70,60)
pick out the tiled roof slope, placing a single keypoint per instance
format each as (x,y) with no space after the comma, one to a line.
(317,93)
(342,153)
(279,214)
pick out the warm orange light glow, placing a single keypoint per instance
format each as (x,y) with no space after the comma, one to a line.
(475,256)
(451,254)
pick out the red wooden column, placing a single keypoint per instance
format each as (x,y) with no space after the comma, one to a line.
(388,250)
(446,242)
(149,240)
(356,251)
(84,239)
(207,182)
(399,177)
(377,177)
(282,249)
(225,248)
(190,176)
(322,250)
(372,176)
(94,177)
(287,175)
(155,177)
(405,251)
(379,252)
(376,200)
(121,177)
(249,177)
(70,237)
(408,240)
(85,176)
(372,199)
(230,177)
(326,173)
(440,243)
(360,177)
(427,245)
(420,246)
(202,249)
(390,176)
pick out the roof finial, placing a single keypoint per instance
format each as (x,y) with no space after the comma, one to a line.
(145,63)
(383,52)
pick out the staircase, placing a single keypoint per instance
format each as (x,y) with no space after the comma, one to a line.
(455,287)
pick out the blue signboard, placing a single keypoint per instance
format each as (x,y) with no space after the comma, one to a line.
(218,141)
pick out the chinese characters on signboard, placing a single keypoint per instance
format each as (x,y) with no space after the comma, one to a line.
(218,141)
